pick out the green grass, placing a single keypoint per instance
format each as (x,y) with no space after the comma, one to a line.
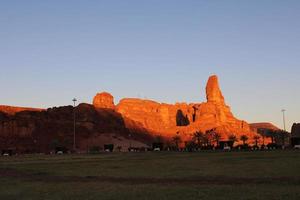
(160,175)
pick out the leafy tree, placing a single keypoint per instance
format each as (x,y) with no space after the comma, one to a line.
(244,138)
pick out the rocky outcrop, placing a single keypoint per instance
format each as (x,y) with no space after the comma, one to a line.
(296,130)
(104,100)
(168,119)
(38,131)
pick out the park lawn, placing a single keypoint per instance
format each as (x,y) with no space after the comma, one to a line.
(153,175)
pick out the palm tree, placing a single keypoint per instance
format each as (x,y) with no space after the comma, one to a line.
(209,136)
(263,133)
(217,138)
(198,136)
(232,138)
(272,134)
(244,138)
(256,138)
(206,139)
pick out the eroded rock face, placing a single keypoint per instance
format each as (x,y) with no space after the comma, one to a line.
(168,119)
(104,100)
(157,117)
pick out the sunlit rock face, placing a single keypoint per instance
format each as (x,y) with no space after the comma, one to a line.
(213,91)
(104,100)
(185,119)
(13,109)
(156,117)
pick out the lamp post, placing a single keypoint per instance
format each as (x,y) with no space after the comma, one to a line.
(283,117)
(284,126)
(74,125)
(129,142)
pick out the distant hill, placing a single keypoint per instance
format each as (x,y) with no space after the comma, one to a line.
(11,110)
(265,125)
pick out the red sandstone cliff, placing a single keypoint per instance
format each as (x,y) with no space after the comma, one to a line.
(185,119)
(131,119)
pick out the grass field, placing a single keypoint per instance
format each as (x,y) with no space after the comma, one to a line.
(152,175)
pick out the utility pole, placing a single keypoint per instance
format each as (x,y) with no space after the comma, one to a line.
(74,125)
(129,142)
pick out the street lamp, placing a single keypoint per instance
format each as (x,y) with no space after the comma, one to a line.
(283,117)
(74,125)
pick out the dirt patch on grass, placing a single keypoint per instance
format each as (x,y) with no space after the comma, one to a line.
(205,180)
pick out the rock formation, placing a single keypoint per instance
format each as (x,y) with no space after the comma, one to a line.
(213,91)
(168,120)
(132,119)
(104,100)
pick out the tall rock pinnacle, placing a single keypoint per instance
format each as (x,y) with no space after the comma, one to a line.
(213,92)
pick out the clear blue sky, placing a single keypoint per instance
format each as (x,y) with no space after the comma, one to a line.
(51,51)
